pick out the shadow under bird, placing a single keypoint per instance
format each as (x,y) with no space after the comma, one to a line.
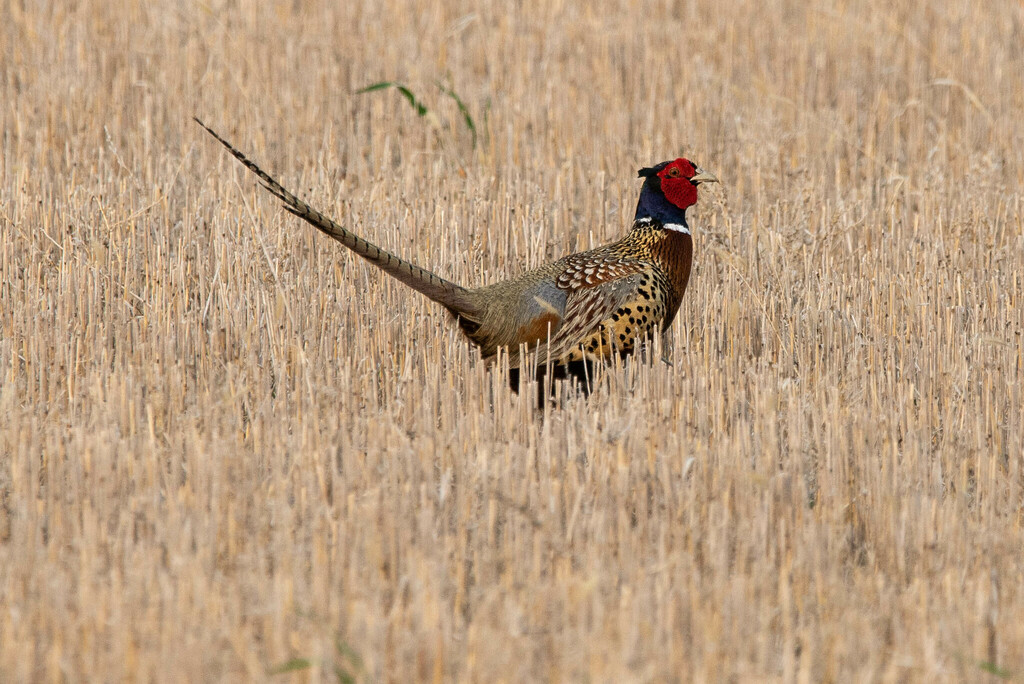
(582,309)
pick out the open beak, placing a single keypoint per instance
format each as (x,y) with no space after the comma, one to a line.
(703,176)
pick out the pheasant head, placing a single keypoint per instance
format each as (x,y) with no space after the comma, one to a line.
(669,190)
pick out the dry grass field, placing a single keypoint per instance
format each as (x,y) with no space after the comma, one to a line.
(231,451)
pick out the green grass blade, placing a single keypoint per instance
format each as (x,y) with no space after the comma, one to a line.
(463,109)
(994,669)
(292,665)
(348,652)
(376,86)
(421,110)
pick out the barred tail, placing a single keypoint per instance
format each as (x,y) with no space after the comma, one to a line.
(455,298)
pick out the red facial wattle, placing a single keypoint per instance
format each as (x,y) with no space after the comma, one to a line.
(676,185)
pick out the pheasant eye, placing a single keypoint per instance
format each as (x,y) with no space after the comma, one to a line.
(673,172)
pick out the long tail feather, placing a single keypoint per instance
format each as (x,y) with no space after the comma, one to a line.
(454,297)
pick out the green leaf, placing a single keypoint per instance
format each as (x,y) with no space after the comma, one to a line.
(421,110)
(291,666)
(346,651)
(994,669)
(376,86)
(462,108)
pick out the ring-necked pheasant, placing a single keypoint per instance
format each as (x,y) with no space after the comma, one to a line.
(583,308)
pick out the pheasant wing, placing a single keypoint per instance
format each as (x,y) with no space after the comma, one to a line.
(598,287)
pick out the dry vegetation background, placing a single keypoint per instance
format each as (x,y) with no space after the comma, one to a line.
(225,443)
